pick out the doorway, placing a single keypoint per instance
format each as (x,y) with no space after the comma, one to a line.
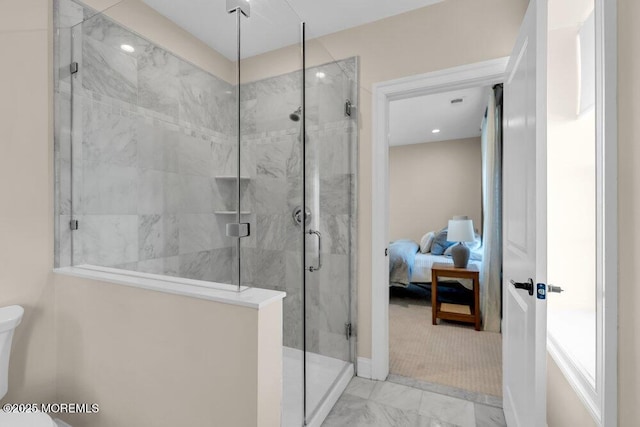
(482,74)
(601,400)
(444,151)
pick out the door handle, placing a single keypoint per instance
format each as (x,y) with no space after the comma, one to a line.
(527,286)
(317,234)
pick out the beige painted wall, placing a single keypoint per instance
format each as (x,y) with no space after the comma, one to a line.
(26,191)
(564,407)
(444,35)
(629,206)
(429,183)
(141,354)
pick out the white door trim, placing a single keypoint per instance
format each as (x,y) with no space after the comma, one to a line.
(607,135)
(473,75)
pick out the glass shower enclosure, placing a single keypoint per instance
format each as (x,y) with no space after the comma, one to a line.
(222,160)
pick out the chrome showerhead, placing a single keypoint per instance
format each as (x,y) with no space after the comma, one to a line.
(295,116)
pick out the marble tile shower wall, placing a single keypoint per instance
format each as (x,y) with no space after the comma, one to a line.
(152,137)
(271,146)
(153,134)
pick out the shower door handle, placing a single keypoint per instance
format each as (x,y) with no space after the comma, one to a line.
(317,234)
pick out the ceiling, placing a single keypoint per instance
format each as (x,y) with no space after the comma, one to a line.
(411,121)
(275,23)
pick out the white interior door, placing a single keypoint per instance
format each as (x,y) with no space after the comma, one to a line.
(524,209)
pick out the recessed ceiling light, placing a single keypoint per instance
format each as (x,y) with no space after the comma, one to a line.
(435,131)
(320,75)
(127,48)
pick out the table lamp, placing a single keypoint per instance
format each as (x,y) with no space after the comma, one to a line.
(460,230)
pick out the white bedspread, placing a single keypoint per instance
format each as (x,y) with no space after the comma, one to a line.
(422,269)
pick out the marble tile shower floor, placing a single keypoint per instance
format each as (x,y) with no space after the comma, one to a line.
(387,404)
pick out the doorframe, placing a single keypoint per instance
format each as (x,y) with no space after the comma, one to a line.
(492,72)
(486,73)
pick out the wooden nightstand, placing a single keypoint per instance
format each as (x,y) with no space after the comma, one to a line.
(448,270)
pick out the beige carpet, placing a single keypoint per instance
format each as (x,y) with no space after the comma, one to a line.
(449,353)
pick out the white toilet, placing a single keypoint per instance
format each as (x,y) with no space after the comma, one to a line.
(10,318)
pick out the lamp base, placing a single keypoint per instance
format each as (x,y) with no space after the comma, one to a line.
(460,254)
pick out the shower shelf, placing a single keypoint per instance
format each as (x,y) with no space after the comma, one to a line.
(231,212)
(232,177)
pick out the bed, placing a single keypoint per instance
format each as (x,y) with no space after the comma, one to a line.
(408,265)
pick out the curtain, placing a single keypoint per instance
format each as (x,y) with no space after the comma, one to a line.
(491,280)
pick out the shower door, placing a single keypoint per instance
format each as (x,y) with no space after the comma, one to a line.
(330,143)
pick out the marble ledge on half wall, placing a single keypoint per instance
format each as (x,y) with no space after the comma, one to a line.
(250,297)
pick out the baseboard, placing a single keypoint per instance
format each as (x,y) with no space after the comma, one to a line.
(364,368)
(61,423)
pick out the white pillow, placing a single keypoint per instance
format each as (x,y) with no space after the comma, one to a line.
(426,241)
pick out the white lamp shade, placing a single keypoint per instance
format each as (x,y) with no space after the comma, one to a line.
(460,230)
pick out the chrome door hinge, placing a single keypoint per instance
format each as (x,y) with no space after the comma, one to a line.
(74,224)
(347,108)
(238,229)
(73,68)
(347,330)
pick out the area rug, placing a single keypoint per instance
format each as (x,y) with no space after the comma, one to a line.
(450,353)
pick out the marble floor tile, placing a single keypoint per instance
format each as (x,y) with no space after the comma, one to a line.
(378,414)
(489,416)
(448,409)
(471,396)
(360,387)
(374,403)
(348,411)
(430,422)
(358,412)
(397,396)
